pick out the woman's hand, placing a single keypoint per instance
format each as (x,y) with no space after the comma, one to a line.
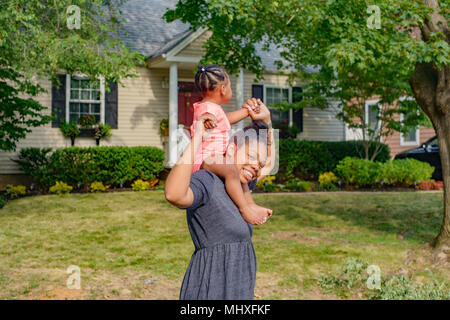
(264,113)
(205,123)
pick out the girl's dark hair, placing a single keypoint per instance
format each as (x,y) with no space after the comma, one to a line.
(209,76)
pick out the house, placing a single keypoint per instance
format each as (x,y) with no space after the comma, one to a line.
(164,89)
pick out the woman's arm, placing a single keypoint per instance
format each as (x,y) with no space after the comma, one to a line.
(176,189)
(264,115)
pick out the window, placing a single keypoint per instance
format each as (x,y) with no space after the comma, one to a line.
(411,138)
(275,95)
(372,112)
(85,97)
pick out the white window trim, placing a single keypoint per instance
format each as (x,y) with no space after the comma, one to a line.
(291,113)
(366,113)
(404,143)
(102,96)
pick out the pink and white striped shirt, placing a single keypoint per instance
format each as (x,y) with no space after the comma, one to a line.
(217,141)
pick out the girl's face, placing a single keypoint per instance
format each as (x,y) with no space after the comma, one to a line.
(226,92)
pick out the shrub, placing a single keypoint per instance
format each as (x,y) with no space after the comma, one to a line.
(405,172)
(60,188)
(267,184)
(34,162)
(2,202)
(358,172)
(352,275)
(16,191)
(327,186)
(140,185)
(109,165)
(297,185)
(327,178)
(307,159)
(98,186)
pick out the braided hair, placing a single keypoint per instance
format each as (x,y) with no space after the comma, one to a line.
(208,77)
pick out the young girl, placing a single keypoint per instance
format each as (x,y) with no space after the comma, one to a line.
(214,84)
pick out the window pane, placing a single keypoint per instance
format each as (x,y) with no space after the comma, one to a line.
(410,136)
(85,95)
(74,94)
(73,117)
(84,108)
(74,107)
(95,95)
(84,84)
(75,84)
(95,108)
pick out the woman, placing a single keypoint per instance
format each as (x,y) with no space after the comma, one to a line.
(223,265)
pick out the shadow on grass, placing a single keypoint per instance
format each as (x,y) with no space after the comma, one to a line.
(417,216)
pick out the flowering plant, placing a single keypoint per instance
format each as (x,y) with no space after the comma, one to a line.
(86,120)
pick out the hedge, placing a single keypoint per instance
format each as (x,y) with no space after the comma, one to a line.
(107,164)
(308,159)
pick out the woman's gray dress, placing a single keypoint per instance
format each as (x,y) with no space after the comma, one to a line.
(223,265)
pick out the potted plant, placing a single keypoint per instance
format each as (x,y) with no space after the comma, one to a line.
(101,131)
(164,129)
(69,130)
(87,125)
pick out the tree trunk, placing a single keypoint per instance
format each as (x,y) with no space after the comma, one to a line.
(431,87)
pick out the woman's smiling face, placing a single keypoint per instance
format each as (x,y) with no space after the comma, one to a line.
(249,159)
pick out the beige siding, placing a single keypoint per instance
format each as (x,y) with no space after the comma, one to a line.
(142,104)
(194,49)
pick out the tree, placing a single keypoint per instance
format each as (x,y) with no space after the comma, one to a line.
(383,48)
(40,38)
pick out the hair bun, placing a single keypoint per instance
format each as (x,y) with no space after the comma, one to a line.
(258,124)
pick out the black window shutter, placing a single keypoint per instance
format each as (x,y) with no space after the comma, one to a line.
(258,91)
(59,101)
(111,101)
(297,114)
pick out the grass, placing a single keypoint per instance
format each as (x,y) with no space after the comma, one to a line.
(135,245)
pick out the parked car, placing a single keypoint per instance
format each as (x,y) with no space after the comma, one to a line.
(428,152)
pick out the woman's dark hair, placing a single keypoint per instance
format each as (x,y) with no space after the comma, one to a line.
(256,130)
(209,76)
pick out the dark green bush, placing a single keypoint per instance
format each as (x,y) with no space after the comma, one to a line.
(34,162)
(2,202)
(107,164)
(308,159)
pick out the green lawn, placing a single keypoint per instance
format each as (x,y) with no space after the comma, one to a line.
(135,245)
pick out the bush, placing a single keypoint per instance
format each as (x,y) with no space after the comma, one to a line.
(358,172)
(3,202)
(327,178)
(266,184)
(297,185)
(35,162)
(352,275)
(60,188)
(140,185)
(97,186)
(16,191)
(327,186)
(307,159)
(405,172)
(109,165)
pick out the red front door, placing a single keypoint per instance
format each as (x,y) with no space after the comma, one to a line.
(187,96)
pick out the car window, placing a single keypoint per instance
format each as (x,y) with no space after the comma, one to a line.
(433,143)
